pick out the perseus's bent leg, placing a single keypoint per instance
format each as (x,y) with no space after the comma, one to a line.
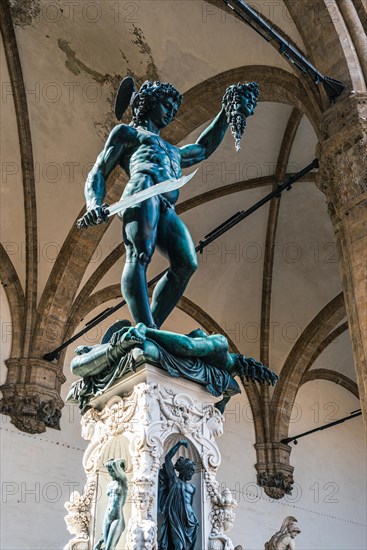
(140,233)
(175,243)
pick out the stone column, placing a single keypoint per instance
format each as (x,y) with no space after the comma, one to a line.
(356,31)
(139,419)
(343,180)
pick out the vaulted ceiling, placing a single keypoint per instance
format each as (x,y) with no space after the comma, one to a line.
(272,284)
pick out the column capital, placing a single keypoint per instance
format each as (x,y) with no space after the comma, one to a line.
(342,175)
(31,394)
(274,471)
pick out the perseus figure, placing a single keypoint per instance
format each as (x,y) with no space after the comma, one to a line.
(148,160)
(179,528)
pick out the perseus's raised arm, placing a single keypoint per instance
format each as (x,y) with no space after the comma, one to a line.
(107,160)
(239,102)
(207,143)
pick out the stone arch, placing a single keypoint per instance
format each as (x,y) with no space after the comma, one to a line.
(323,29)
(28,173)
(15,296)
(271,230)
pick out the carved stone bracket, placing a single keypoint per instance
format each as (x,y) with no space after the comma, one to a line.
(31,395)
(277,484)
(274,472)
(146,419)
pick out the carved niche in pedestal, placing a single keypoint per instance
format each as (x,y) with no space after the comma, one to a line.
(146,420)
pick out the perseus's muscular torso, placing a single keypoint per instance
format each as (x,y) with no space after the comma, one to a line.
(150,160)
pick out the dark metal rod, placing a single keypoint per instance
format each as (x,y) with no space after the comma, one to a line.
(98,316)
(221,225)
(232,221)
(332,87)
(217,232)
(325,427)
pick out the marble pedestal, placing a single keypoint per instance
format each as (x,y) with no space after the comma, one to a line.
(139,419)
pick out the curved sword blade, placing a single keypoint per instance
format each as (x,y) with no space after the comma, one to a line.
(163,187)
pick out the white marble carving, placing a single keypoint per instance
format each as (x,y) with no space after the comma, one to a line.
(223,517)
(146,418)
(79,516)
(284,538)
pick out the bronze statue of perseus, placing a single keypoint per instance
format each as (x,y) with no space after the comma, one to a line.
(149,160)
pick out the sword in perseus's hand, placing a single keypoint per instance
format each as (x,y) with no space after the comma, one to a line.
(163,187)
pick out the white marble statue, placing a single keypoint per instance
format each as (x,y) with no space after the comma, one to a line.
(284,538)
